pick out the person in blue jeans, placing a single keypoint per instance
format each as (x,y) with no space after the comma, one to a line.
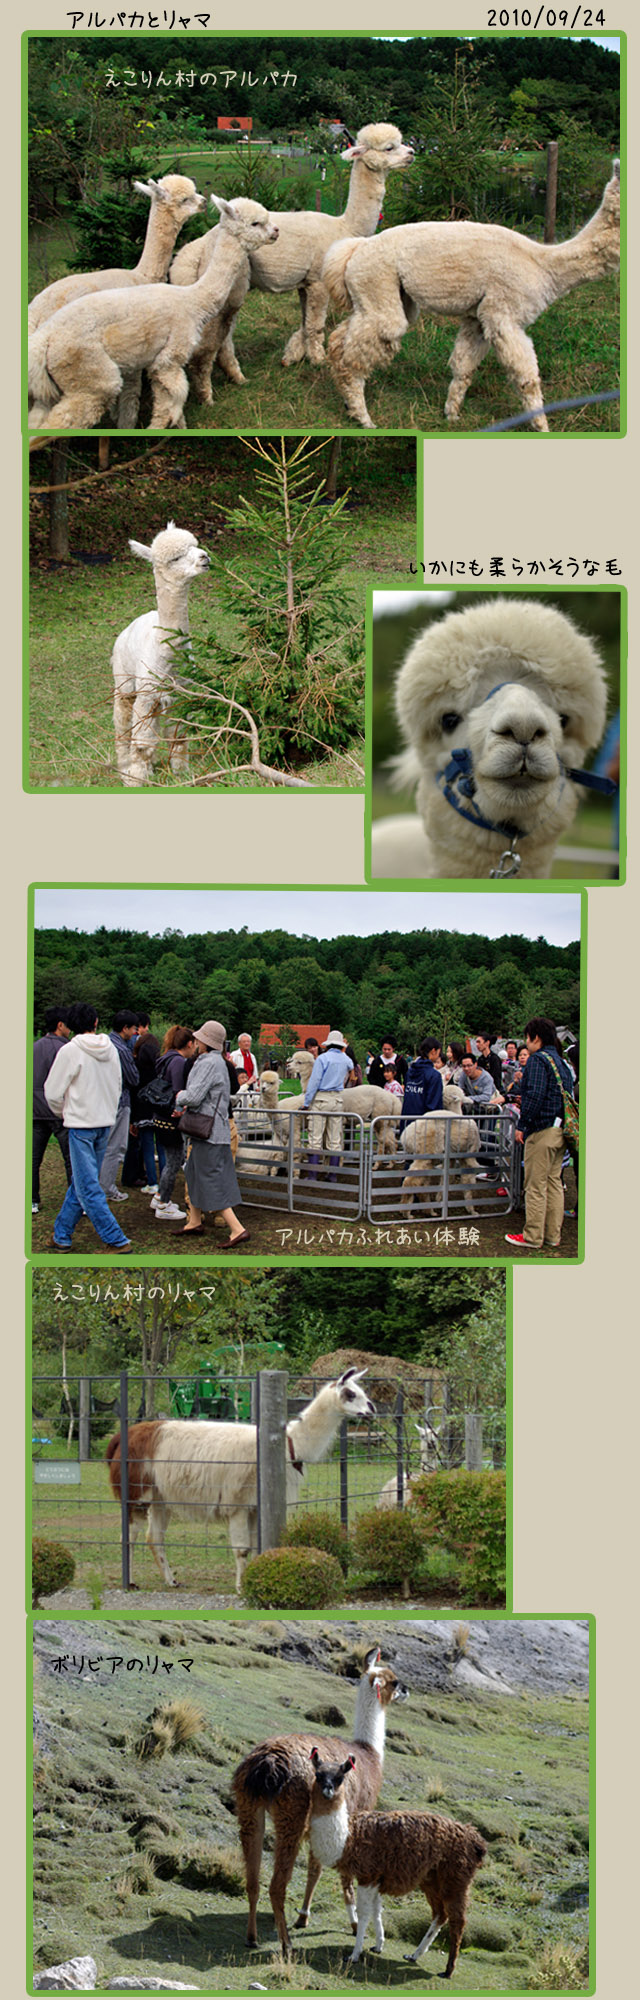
(83,1088)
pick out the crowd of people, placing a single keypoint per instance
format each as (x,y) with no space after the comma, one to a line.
(124,1102)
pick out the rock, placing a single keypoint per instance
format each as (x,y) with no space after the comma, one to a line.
(76,1975)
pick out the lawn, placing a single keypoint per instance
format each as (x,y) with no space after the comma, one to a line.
(140,1861)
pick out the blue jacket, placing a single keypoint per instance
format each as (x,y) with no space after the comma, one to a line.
(330,1072)
(423,1089)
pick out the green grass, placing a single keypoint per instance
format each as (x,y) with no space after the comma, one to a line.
(517,1766)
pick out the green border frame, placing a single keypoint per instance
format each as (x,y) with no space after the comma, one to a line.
(412,34)
(184,791)
(568,884)
(41,1259)
(309,1618)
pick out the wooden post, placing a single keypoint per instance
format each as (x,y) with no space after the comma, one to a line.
(84,1418)
(399,1416)
(552,192)
(124,1478)
(344,1479)
(272,1488)
(59,504)
(473,1441)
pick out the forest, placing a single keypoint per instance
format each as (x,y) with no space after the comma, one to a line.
(397,983)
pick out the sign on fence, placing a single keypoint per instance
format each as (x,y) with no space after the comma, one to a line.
(56,1472)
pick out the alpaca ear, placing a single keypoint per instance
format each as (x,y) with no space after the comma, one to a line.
(224,207)
(138,549)
(149,188)
(616,170)
(352,153)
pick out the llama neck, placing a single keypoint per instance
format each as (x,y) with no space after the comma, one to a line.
(590,254)
(173,605)
(371,1720)
(312,1434)
(162,230)
(366,196)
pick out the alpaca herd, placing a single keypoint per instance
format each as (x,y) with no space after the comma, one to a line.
(93,335)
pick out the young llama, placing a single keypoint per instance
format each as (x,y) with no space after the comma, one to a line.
(278,1778)
(79,360)
(207,1472)
(393,1853)
(305,237)
(495,281)
(173,200)
(147,655)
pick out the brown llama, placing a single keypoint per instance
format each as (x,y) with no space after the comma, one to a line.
(391,1853)
(278,1778)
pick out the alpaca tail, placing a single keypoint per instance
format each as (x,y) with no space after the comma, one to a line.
(264,1773)
(42,388)
(334,269)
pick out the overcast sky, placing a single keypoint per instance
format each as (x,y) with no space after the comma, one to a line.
(320,913)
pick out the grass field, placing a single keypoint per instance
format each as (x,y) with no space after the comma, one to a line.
(139,1862)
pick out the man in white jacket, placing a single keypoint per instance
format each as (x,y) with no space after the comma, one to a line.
(83,1088)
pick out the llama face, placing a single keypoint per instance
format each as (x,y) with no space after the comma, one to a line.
(381,147)
(354,1400)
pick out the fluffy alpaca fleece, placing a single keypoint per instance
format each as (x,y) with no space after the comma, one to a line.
(305,236)
(209,1472)
(263,1157)
(393,1854)
(278,1778)
(173,200)
(429,1459)
(426,1138)
(79,360)
(368,1101)
(146,656)
(493,280)
(301,1064)
(517,684)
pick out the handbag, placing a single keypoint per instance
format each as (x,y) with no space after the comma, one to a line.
(570,1113)
(196,1124)
(155,1102)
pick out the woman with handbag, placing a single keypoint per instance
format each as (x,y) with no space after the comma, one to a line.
(178,1046)
(210,1172)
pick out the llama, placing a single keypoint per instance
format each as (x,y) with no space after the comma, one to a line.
(499,705)
(429,1460)
(305,236)
(392,1854)
(145,658)
(207,1472)
(173,200)
(277,1778)
(79,360)
(493,280)
(426,1138)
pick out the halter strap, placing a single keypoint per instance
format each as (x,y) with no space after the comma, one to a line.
(296,1462)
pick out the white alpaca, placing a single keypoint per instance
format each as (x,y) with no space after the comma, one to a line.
(498,705)
(146,655)
(79,360)
(301,1064)
(173,200)
(265,1155)
(305,236)
(368,1101)
(207,1472)
(426,1138)
(429,1460)
(493,280)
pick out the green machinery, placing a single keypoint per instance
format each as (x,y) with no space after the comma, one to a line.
(218,1393)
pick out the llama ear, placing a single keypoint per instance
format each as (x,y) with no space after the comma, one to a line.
(315,1758)
(138,549)
(372,1658)
(224,207)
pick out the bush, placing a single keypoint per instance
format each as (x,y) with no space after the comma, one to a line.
(466,1511)
(52,1568)
(318,1531)
(389,1544)
(301,1579)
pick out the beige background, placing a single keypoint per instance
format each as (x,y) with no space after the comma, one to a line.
(575,1372)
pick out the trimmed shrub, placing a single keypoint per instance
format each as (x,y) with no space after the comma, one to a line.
(466,1512)
(390,1545)
(304,1579)
(52,1568)
(313,1530)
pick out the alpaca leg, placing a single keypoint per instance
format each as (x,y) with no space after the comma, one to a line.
(251,1817)
(144,736)
(295,348)
(122,721)
(287,1846)
(366,1906)
(518,356)
(128,405)
(170,391)
(89,381)
(468,351)
(314,1872)
(78,410)
(367,340)
(177,747)
(456,1919)
(314,324)
(426,1941)
(157,1523)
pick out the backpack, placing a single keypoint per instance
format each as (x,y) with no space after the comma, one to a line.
(156,1099)
(570,1113)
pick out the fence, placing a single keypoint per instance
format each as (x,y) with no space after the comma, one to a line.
(73,1502)
(277,1168)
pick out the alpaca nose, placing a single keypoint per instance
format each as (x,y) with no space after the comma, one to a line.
(521,721)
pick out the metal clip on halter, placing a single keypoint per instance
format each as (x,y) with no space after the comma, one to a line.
(510,863)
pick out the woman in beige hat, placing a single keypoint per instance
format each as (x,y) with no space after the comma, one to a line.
(210,1173)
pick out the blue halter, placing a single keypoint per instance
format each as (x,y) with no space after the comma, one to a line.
(457,782)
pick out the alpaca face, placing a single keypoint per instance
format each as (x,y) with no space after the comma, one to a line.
(176,556)
(175,191)
(381,147)
(248,221)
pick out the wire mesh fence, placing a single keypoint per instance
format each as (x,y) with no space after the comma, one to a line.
(192,1470)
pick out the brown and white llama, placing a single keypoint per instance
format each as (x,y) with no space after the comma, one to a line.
(393,1853)
(278,1778)
(207,1472)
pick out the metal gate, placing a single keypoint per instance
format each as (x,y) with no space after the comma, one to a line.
(446,1184)
(276,1168)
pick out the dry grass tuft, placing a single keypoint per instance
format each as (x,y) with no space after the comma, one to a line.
(169,1728)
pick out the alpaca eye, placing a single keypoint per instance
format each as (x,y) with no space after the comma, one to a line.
(564,721)
(450,722)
